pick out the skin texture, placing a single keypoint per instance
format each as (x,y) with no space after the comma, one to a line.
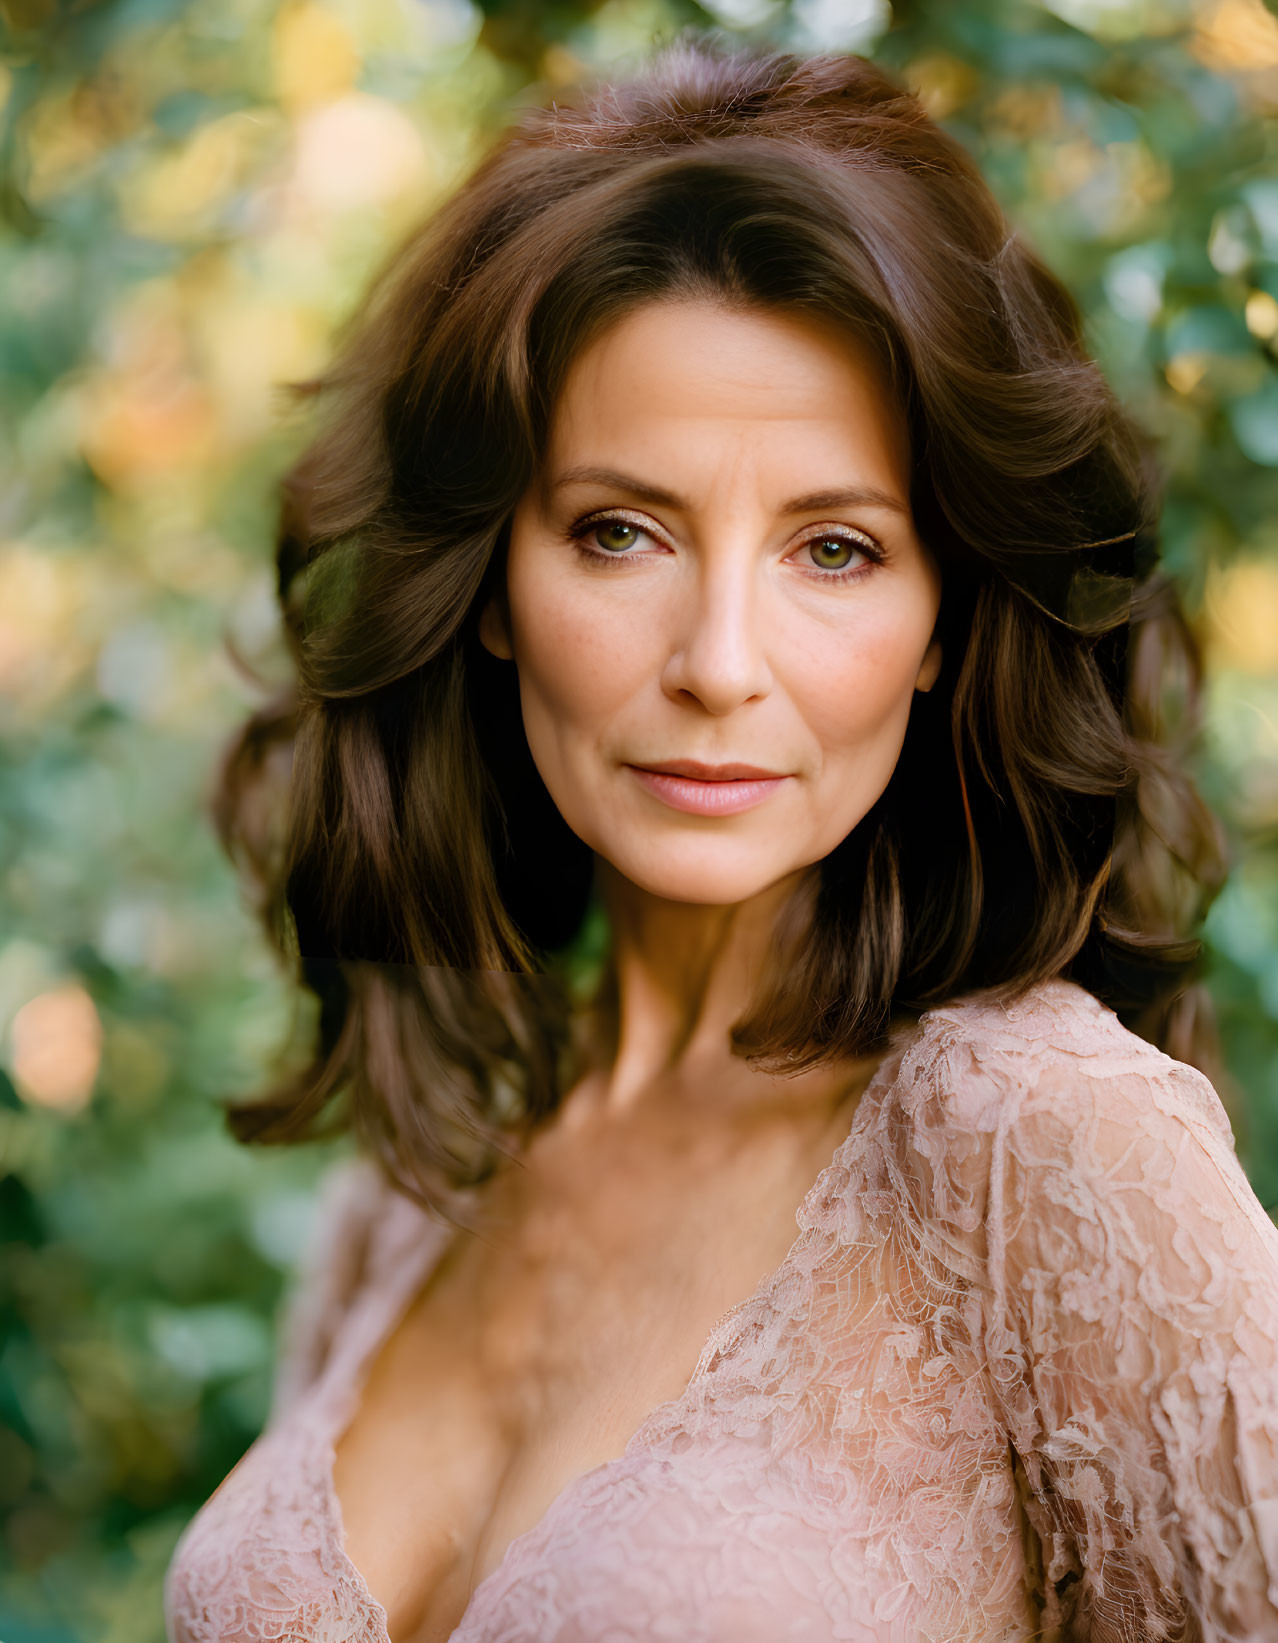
(664,1189)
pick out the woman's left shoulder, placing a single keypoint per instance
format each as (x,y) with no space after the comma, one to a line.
(1126,1278)
(981,1059)
(1050,1081)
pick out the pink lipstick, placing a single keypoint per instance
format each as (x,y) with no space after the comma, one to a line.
(708,790)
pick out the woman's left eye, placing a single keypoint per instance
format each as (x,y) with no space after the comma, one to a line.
(834,553)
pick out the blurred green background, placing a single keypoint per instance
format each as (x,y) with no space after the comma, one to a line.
(191,197)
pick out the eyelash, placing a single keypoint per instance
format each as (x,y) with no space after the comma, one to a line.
(858,539)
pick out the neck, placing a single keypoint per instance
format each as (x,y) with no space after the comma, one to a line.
(680,974)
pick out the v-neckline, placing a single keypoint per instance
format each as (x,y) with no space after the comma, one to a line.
(416,1272)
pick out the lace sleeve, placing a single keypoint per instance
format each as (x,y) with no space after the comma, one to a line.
(328,1277)
(1132,1338)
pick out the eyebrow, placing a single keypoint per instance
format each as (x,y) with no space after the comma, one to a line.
(856,496)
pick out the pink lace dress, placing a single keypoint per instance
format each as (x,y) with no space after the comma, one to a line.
(1016,1378)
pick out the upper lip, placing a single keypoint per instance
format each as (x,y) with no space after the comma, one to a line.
(709,772)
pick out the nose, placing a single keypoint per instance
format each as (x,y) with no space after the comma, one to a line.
(717,655)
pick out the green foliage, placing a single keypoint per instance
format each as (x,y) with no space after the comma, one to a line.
(192,196)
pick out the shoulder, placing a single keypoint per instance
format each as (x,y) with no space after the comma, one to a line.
(361,1229)
(351,1202)
(1047,1084)
(980,1063)
(361,1222)
(1126,1300)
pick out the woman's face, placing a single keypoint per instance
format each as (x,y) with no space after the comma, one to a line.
(717,566)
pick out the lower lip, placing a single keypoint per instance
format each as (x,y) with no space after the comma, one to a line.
(700,798)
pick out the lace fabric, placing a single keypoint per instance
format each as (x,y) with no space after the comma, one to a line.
(1016,1378)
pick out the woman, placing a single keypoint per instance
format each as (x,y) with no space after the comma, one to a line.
(722,540)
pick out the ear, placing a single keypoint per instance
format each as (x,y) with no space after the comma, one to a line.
(493,632)
(930,666)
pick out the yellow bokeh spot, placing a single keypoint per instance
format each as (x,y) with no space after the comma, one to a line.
(1069,165)
(252,347)
(43,648)
(1237,35)
(561,67)
(138,428)
(313,57)
(1028,110)
(57,1045)
(1122,176)
(1241,605)
(1261,313)
(1186,371)
(177,194)
(1142,175)
(941,83)
(147,414)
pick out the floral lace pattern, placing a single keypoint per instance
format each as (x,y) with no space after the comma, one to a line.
(1017,1378)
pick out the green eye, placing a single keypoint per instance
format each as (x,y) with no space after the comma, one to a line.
(832,552)
(615,535)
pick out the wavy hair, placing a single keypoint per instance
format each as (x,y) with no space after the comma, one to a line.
(405,858)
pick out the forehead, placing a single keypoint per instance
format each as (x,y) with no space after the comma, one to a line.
(688,377)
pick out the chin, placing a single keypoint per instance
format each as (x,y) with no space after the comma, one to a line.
(706,875)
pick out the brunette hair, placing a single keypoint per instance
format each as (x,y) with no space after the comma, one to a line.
(402,850)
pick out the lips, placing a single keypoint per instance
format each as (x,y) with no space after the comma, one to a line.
(709,789)
(711,772)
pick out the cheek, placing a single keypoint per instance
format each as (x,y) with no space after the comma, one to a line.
(578,656)
(855,684)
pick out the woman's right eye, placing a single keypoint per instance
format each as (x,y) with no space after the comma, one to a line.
(615,535)
(608,537)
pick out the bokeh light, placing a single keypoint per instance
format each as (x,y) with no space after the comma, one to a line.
(57,1045)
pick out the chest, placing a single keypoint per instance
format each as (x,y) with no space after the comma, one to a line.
(542,1341)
